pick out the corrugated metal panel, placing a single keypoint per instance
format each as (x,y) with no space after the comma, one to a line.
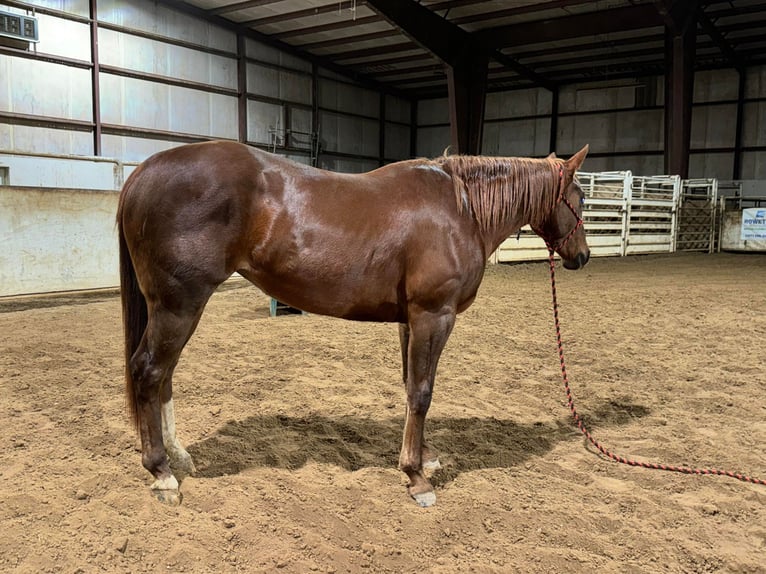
(154,57)
(278,83)
(143,104)
(269,54)
(158,19)
(397,141)
(35,139)
(432,142)
(349,134)
(63,37)
(263,119)
(398,109)
(36,82)
(132,148)
(347,98)
(520,138)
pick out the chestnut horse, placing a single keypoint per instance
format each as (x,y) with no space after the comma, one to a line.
(406,243)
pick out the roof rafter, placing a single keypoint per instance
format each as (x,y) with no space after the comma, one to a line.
(445,40)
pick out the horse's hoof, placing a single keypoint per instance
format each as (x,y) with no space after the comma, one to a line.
(424,499)
(166,491)
(169,497)
(432,465)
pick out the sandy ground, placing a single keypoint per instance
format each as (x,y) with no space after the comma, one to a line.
(295,422)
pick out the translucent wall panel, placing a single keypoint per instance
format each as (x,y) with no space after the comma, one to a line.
(640,164)
(713,126)
(755,83)
(132,148)
(718,165)
(348,99)
(138,103)
(640,130)
(78,7)
(754,124)
(278,83)
(300,126)
(592,97)
(46,89)
(520,138)
(150,56)
(716,85)
(159,19)
(754,165)
(433,112)
(398,110)
(63,38)
(397,141)
(262,119)
(433,141)
(269,54)
(45,140)
(349,134)
(517,103)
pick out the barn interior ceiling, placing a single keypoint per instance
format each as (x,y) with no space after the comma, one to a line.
(402,45)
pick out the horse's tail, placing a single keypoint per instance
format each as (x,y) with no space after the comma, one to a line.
(134,311)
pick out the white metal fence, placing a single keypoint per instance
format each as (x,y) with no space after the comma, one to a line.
(624,214)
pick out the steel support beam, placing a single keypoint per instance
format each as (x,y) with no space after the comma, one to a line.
(466,63)
(467,86)
(94,77)
(680,40)
(741,90)
(554,121)
(589,24)
(242,87)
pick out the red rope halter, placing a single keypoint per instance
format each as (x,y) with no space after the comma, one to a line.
(580,425)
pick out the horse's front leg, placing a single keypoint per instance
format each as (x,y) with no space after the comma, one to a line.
(430,458)
(428,333)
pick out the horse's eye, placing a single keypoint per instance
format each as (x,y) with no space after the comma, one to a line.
(582,201)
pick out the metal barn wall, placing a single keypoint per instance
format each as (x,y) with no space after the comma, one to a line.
(623,121)
(161,78)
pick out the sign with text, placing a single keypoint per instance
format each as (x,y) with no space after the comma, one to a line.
(754,223)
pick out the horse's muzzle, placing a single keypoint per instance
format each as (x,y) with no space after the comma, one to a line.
(578,262)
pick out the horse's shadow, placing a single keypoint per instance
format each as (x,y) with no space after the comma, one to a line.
(353,443)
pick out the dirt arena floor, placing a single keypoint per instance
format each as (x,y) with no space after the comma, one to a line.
(295,422)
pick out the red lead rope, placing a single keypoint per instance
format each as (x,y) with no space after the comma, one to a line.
(580,425)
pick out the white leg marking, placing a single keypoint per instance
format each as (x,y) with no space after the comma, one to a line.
(180,460)
(169,483)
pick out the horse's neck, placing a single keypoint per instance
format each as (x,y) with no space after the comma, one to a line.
(494,236)
(516,216)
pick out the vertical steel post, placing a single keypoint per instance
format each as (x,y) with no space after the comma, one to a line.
(94,76)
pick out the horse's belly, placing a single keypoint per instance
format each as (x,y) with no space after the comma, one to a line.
(348,297)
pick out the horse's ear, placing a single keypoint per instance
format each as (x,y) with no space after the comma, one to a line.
(551,155)
(574,162)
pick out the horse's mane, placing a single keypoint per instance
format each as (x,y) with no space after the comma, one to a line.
(499,187)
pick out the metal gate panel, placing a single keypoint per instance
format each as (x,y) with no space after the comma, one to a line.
(651,211)
(696,230)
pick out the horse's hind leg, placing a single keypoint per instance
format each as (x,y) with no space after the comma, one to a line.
(169,327)
(428,334)
(181,463)
(430,458)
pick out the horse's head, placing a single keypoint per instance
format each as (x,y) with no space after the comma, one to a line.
(563,230)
